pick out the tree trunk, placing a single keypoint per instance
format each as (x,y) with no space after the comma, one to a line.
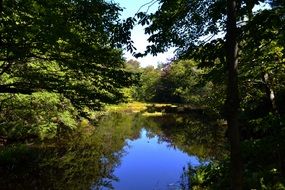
(270,95)
(232,103)
(1,7)
(1,18)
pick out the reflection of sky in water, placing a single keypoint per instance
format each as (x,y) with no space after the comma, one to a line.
(151,165)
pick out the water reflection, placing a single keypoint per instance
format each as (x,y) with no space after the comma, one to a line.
(151,164)
(124,151)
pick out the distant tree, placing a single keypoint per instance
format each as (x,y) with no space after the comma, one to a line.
(177,82)
(149,80)
(133,65)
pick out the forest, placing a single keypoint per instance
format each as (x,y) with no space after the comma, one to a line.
(62,65)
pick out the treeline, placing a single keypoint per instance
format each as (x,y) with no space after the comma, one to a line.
(179,82)
(189,82)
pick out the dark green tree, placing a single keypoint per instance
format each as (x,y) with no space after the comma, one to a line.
(66,47)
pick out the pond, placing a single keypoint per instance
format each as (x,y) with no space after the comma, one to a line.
(123,151)
(151,164)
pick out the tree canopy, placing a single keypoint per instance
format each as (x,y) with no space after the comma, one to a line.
(66,47)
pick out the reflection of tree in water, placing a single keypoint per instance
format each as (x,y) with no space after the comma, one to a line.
(193,134)
(88,158)
(73,165)
(79,161)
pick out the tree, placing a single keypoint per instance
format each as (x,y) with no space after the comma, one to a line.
(180,82)
(133,65)
(232,102)
(66,47)
(266,68)
(191,26)
(147,89)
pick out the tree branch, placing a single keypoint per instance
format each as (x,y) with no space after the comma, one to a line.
(14,90)
(4,67)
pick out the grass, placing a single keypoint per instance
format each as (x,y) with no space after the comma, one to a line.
(127,107)
(152,114)
(133,107)
(152,109)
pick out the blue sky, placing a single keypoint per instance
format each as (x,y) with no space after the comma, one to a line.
(131,7)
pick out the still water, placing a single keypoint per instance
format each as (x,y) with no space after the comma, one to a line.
(150,164)
(123,152)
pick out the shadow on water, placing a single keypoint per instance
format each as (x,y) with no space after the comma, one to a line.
(94,159)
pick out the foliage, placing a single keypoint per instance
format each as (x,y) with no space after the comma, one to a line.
(176,82)
(43,115)
(147,88)
(133,65)
(129,93)
(264,168)
(181,82)
(66,47)
(59,60)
